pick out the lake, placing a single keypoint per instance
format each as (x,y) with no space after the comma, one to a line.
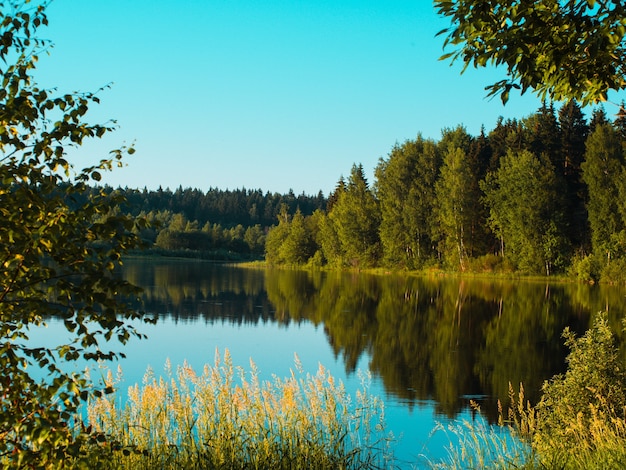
(430,344)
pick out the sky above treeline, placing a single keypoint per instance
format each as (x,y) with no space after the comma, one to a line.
(262,94)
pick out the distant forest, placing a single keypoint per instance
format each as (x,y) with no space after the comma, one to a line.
(216,224)
(545,194)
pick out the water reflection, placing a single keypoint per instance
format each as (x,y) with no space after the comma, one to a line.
(427,339)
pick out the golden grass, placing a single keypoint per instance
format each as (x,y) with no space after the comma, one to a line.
(518,442)
(507,445)
(227,418)
(596,442)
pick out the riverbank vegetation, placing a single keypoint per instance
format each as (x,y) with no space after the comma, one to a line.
(226,417)
(457,204)
(540,195)
(579,422)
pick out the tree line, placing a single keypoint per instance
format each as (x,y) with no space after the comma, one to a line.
(539,195)
(221,224)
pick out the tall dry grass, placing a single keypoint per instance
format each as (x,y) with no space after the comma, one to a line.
(506,445)
(226,417)
(518,441)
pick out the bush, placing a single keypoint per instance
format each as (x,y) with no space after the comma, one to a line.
(615,271)
(592,389)
(585,268)
(490,263)
(578,424)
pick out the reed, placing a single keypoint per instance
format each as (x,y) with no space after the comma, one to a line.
(595,441)
(579,423)
(226,417)
(506,445)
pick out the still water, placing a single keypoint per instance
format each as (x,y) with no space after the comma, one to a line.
(430,344)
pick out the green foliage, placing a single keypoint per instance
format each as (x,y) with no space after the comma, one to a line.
(614,271)
(173,234)
(590,396)
(405,191)
(291,241)
(586,268)
(254,237)
(518,191)
(356,218)
(455,204)
(601,171)
(579,423)
(522,211)
(574,133)
(227,208)
(59,247)
(561,50)
(329,242)
(298,246)
(276,237)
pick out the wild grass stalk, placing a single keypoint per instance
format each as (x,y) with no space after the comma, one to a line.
(595,443)
(518,441)
(505,445)
(227,418)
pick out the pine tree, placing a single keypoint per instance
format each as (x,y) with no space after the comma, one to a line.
(574,132)
(356,217)
(598,117)
(545,136)
(600,171)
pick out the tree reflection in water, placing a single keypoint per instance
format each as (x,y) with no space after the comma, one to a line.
(427,338)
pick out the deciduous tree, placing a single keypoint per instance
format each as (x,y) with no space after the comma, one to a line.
(405,188)
(562,50)
(521,197)
(356,218)
(59,247)
(298,246)
(455,205)
(277,236)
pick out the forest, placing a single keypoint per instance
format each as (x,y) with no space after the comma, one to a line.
(545,194)
(217,224)
(541,195)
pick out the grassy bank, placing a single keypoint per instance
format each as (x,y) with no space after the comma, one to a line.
(432,272)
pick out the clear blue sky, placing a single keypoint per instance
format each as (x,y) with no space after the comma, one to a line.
(266,94)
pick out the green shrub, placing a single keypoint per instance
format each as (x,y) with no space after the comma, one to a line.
(590,395)
(614,271)
(585,268)
(490,263)
(579,423)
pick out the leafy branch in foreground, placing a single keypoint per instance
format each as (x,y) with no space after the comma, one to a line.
(561,50)
(59,248)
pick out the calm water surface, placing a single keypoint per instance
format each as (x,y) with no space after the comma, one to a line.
(429,344)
